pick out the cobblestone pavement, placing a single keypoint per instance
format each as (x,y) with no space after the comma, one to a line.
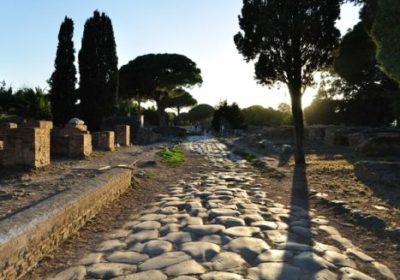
(222,225)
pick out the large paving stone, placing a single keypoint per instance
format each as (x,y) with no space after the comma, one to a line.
(164,260)
(178,237)
(142,236)
(277,236)
(157,247)
(322,275)
(251,218)
(218,275)
(229,221)
(294,246)
(145,275)
(127,257)
(310,261)
(359,255)
(187,267)
(352,274)
(91,259)
(241,231)
(339,259)
(205,229)
(274,256)
(219,239)
(265,225)
(184,277)
(75,273)
(111,245)
(274,271)
(108,270)
(147,225)
(247,247)
(228,261)
(384,270)
(321,248)
(201,250)
(222,212)
(152,217)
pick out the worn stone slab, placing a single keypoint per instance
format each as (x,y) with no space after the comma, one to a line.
(156,247)
(222,212)
(111,245)
(91,259)
(142,236)
(147,225)
(108,270)
(228,221)
(359,255)
(218,239)
(178,237)
(184,268)
(75,273)
(218,275)
(144,275)
(228,261)
(201,250)
(339,259)
(152,217)
(265,225)
(384,270)
(164,260)
(352,274)
(241,231)
(204,229)
(274,256)
(310,261)
(127,257)
(247,247)
(273,271)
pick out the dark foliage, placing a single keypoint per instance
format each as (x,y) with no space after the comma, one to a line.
(63,80)
(289,40)
(157,76)
(259,116)
(98,68)
(227,116)
(179,99)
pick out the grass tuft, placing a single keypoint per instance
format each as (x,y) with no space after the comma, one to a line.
(173,157)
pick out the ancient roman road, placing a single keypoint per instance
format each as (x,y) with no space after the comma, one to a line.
(222,225)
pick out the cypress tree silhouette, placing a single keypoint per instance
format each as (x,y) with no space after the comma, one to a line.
(62,81)
(98,68)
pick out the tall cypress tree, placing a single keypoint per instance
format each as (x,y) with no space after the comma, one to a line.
(98,68)
(62,81)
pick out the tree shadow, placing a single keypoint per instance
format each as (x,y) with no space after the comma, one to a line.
(299,232)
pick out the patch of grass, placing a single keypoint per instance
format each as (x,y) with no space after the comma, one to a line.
(173,157)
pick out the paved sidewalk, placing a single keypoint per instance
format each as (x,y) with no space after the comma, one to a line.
(222,225)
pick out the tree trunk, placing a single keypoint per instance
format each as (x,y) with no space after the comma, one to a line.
(161,114)
(297,111)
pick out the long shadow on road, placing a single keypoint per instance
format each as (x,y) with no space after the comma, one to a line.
(299,234)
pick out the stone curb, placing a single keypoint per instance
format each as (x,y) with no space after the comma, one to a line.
(361,218)
(27,236)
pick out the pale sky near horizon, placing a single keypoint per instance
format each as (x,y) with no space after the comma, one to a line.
(203,30)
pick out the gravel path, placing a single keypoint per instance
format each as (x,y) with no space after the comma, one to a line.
(222,225)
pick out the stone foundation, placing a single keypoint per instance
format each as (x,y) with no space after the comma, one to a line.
(104,140)
(72,141)
(28,236)
(122,135)
(28,146)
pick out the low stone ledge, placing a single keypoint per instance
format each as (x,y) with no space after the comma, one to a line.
(27,236)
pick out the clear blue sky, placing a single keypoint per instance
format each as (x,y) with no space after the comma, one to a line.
(200,29)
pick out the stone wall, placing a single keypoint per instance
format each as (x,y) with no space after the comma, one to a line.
(28,236)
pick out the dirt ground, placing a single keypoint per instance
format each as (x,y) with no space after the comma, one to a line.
(327,171)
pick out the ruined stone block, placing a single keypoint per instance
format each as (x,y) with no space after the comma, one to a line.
(122,135)
(104,140)
(80,145)
(27,146)
(4,127)
(77,127)
(316,132)
(40,124)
